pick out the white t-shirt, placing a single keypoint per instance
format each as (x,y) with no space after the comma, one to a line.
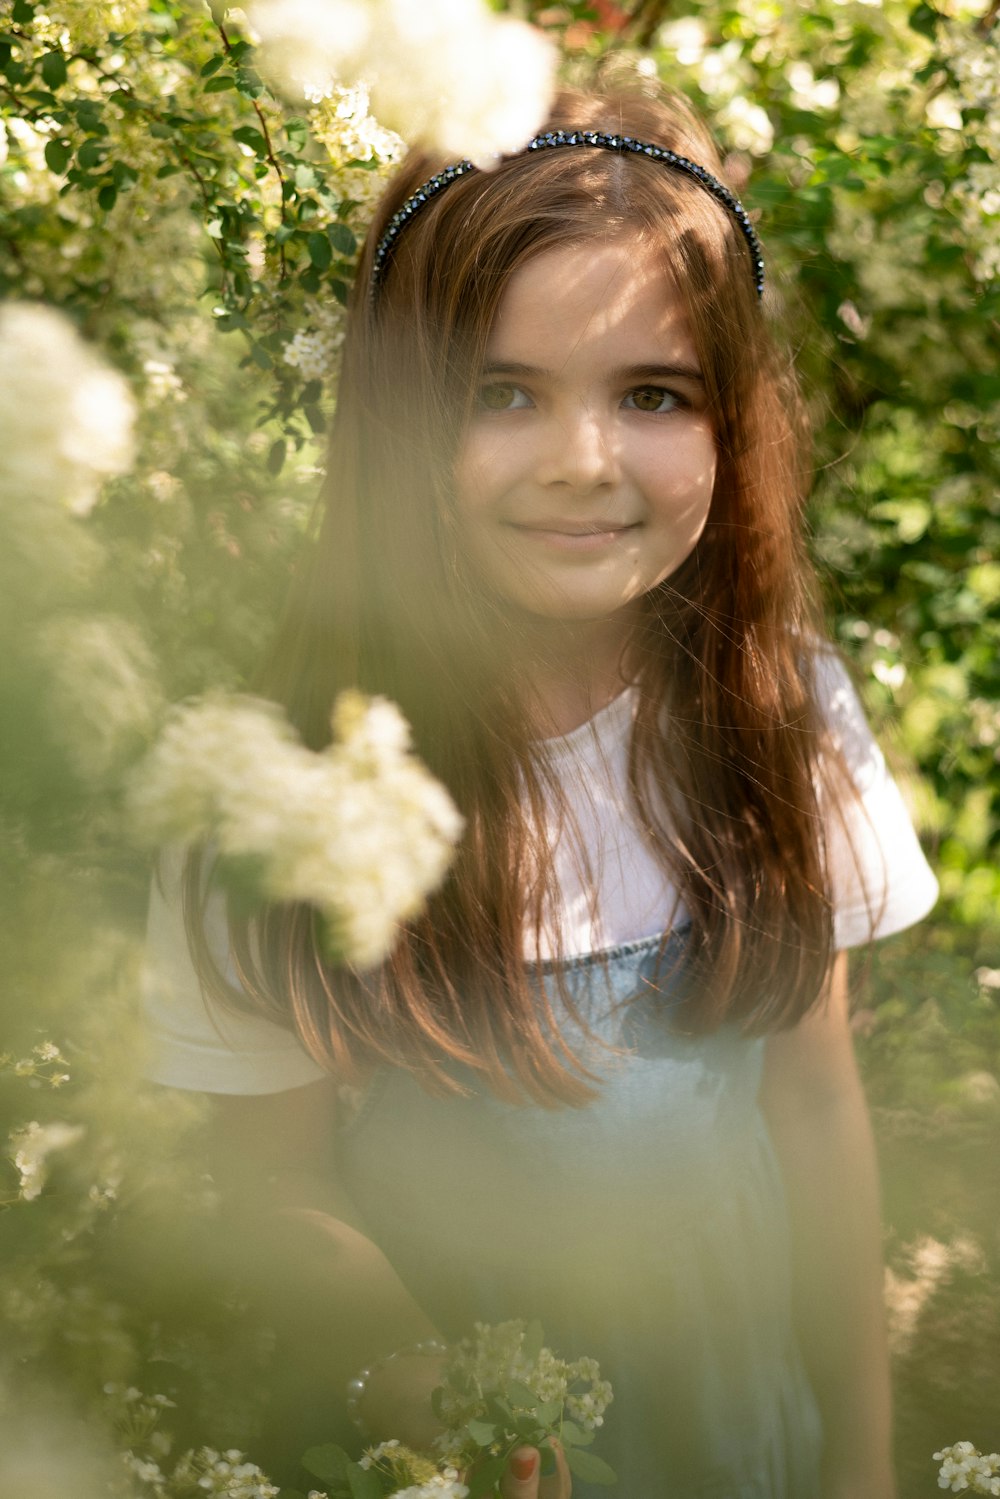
(611,891)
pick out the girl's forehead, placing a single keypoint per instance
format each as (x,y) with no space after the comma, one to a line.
(610,295)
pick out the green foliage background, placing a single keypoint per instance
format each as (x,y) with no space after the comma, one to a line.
(192,225)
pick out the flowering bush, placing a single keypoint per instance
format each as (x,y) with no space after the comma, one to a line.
(159,453)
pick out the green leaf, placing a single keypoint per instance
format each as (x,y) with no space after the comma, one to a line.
(320,252)
(925,20)
(316,419)
(91,154)
(23,13)
(547,1412)
(219,85)
(341,291)
(481,1432)
(296,131)
(124,175)
(485,1476)
(521,1394)
(261,357)
(107,197)
(275,463)
(364,1483)
(213,65)
(575,1436)
(54,69)
(589,1467)
(343,239)
(248,136)
(249,84)
(327,1462)
(57,155)
(305,177)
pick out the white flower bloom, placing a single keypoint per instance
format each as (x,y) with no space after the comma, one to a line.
(448,72)
(65,418)
(361,830)
(30,1148)
(314,351)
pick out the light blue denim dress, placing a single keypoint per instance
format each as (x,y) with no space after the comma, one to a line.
(647,1229)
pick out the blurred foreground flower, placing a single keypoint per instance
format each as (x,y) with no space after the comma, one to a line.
(30,1148)
(964,1470)
(65,418)
(360,830)
(449,73)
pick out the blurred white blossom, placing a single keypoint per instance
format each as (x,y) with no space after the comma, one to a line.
(65,417)
(101,690)
(30,1147)
(450,73)
(686,39)
(360,830)
(747,125)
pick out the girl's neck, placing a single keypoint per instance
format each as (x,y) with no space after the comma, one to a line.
(571,670)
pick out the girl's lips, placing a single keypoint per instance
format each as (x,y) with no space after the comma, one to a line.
(574,538)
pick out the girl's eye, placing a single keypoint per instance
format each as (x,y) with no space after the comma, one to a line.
(651,398)
(499,397)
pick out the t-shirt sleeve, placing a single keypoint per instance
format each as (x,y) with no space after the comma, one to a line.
(880,880)
(194,1042)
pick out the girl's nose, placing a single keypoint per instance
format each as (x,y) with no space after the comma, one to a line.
(580,452)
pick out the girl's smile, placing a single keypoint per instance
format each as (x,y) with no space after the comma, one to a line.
(586,473)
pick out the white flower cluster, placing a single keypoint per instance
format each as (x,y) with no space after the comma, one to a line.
(314,350)
(444,1485)
(361,150)
(418,1473)
(496,1356)
(360,830)
(65,418)
(223,1475)
(448,72)
(46,1063)
(965,1469)
(30,1147)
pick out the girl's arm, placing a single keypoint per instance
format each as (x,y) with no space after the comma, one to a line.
(815,1108)
(335,1300)
(334,1296)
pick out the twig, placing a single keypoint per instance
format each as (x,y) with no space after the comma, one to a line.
(271,158)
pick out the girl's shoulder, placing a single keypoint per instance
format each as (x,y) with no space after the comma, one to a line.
(193,1042)
(879,876)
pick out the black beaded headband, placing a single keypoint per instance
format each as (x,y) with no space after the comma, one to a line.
(624,144)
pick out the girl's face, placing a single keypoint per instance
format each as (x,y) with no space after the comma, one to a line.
(585,476)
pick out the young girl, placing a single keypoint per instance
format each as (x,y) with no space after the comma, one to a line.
(606,1080)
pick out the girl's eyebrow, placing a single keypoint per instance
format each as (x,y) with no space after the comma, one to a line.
(621,374)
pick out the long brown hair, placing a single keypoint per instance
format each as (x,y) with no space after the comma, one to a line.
(723,648)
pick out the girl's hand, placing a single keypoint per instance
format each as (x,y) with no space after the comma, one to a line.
(523,1478)
(397,1402)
